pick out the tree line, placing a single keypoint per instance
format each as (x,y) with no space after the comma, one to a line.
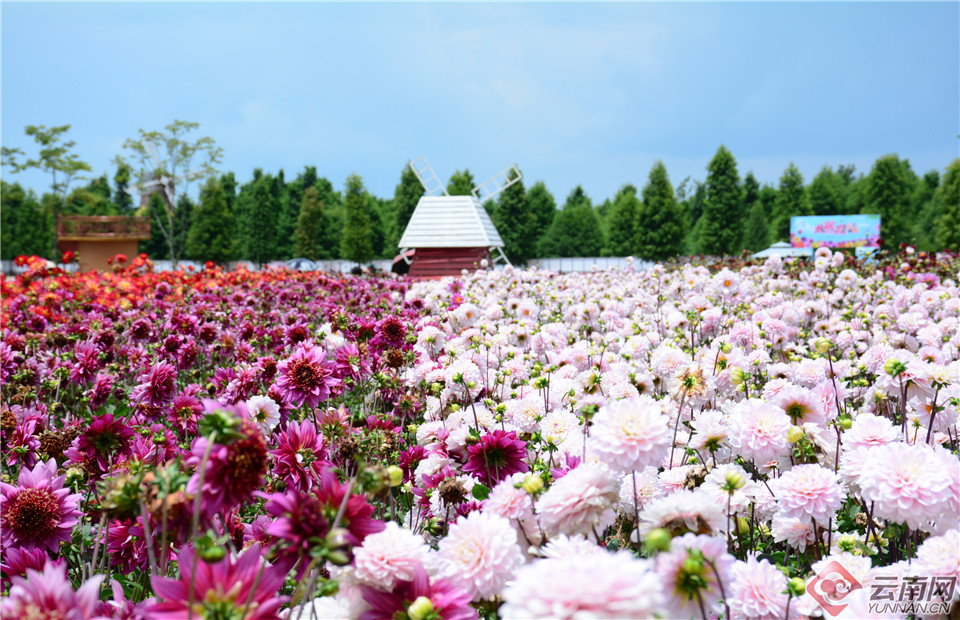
(271,217)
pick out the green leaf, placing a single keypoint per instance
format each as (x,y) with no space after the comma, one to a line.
(481,492)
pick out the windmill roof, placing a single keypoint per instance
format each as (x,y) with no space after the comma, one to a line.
(450,222)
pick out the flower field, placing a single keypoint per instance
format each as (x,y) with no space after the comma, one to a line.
(728,440)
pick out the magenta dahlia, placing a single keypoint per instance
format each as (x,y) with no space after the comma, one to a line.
(104,441)
(222,590)
(49,594)
(38,513)
(428,598)
(17,561)
(496,456)
(306,377)
(301,455)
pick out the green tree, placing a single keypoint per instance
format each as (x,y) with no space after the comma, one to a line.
(887,192)
(575,230)
(313,228)
(53,157)
(355,242)
(515,223)
(826,191)
(158,246)
(121,193)
(692,204)
(792,200)
(926,203)
(543,208)
(378,234)
(756,232)
(660,229)
(721,226)
(290,206)
(460,183)
(405,198)
(168,161)
(213,230)
(948,227)
(257,215)
(25,228)
(622,233)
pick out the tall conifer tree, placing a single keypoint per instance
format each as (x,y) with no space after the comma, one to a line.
(660,225)
(721,223)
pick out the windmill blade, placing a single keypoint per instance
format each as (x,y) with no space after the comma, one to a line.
(497,183)
(427,177)
(153,153)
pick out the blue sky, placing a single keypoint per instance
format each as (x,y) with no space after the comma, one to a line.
(573,93)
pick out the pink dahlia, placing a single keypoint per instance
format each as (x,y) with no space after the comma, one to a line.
(480,554)
(940,556)
(156,385)
(695,574)
(759,431)
(809,492)
(301,455)
(38,513)
(591,585)
(631,434)
(908,483)
(870,430)
(585,498)
(221,590)
(497,455)
(389,556)
(48,594)
(429,598)
(87,357)
(757,591)
(801,405)
(306,377)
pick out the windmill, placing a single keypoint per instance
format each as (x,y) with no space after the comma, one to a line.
(450,233)
(162,181)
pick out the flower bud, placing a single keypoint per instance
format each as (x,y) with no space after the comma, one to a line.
(795,434)
(532,484)
(212,555)
(420,609)
(743,526)
(726,347)
(692,565)
(658,539)
(894,367)
(797,586)
(736,375)
(734,481)
(821,345)
(845,423)
(396,475)
(454,407)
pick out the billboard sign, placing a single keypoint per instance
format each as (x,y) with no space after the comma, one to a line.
(835,231)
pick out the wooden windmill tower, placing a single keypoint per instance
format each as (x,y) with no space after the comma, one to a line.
(450,233)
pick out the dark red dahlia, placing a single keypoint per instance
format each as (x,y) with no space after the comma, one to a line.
(391,331)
